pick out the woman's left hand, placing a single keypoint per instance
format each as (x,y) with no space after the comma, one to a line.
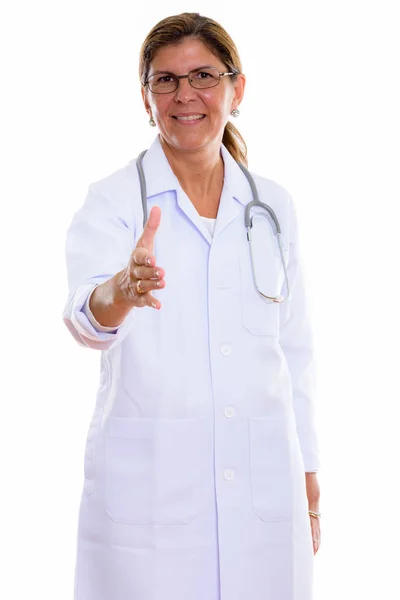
(313,494)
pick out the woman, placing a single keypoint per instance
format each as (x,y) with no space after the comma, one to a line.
(201,458)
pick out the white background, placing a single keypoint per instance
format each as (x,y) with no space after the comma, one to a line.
(321,117)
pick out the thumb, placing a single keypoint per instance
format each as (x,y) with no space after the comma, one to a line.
(146,240)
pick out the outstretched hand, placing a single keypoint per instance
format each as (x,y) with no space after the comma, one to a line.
(142,275)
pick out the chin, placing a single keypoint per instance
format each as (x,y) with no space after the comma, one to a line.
(190,142)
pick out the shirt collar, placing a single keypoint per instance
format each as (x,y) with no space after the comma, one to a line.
(161,178)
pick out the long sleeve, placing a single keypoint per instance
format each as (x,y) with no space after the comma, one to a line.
(90,316)
(296,340)
(99,242)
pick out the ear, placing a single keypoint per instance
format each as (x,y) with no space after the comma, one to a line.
(239,87)
(145,101)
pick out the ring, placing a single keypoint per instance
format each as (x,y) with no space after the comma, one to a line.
(139,287)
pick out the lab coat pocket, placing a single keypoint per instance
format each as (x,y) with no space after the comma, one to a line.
(259,316)
(271,469)
(152,471)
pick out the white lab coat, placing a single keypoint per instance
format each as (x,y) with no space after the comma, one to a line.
(194,485)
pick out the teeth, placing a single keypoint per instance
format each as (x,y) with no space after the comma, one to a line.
(190,118)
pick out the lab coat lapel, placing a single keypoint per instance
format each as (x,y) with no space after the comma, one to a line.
(229,209)
(236,190)
(188,208)
(161,178)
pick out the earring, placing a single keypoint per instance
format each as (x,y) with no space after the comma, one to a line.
(235,112)
(152,122)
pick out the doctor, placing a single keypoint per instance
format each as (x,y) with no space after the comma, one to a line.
(201,457)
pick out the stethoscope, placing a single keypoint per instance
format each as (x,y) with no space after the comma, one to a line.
(248,222)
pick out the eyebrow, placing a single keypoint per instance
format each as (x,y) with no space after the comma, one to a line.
(172,73)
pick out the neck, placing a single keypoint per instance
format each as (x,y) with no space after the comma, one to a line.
(200,173)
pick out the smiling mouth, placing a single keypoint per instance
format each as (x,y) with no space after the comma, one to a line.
(190,118)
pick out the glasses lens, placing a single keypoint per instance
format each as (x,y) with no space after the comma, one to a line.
(204,78)
(162,83)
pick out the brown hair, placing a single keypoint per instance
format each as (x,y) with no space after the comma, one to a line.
(172,30)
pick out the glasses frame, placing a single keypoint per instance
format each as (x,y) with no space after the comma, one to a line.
(187,76)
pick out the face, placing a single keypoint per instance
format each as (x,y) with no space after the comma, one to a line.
(212,104)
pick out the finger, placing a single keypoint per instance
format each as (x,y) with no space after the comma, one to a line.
(151,301)
(143,272)
(146,240)
(147,300)
(316,544)
(315,534)
(142,256)
(148,285)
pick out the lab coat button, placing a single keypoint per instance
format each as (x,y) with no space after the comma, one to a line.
(226,349)
(229,412)
(229,474)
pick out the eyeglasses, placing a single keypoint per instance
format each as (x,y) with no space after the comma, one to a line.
(203,78)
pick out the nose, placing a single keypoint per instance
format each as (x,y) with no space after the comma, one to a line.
(185,91)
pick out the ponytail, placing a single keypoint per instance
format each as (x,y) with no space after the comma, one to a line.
(235,144)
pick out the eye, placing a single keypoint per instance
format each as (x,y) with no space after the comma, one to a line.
(202,75)
(164,79)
